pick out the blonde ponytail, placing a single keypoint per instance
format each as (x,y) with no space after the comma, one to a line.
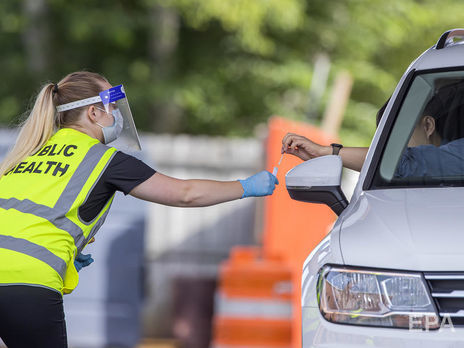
(43,120)
(35,131)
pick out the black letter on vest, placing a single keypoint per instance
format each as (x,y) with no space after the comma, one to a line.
(29,168)
(36,170)
(50,165)
(44,151)
(58,168)
(62,148)
(66,153)
(51,151)
(20,166)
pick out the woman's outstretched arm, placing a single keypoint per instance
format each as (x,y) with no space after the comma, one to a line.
(167,190)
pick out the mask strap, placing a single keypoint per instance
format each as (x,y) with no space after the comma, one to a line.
(106,112)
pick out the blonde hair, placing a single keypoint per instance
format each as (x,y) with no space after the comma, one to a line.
(43,120)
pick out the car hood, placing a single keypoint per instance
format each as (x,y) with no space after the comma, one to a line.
(409,229)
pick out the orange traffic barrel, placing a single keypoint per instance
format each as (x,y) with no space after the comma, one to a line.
(253,305)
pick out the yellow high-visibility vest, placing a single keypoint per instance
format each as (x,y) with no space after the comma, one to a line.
(41,231)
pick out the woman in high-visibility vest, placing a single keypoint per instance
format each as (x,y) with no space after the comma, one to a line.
(56,187)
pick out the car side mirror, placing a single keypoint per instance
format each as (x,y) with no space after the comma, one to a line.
(318,181)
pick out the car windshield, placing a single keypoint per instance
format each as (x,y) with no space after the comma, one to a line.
(426,144)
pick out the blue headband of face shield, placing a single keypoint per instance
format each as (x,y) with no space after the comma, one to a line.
(106,97)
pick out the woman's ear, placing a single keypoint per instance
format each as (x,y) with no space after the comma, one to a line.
(91,114)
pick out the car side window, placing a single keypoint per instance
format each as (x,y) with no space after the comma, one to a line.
(426,143)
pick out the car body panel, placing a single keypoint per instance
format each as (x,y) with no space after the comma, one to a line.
(406,229)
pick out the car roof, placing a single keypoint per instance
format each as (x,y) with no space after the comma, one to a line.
(446,53)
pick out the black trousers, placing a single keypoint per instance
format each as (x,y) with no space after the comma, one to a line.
(32,317)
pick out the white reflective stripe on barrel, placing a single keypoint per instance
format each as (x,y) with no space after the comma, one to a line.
(252,308)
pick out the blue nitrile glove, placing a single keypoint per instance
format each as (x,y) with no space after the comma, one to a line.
(82,260)
(260,184)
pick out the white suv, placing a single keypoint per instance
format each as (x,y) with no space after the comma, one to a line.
(391,271)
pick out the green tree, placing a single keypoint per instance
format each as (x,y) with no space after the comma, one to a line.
(218,66)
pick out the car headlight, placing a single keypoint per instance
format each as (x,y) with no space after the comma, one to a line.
(374,298)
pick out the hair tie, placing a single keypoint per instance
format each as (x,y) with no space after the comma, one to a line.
(55,88)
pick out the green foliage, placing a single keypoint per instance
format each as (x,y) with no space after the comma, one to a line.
(219,66)
(247,20)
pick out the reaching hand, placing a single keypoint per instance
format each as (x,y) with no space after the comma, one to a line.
(302,147)
(260,184)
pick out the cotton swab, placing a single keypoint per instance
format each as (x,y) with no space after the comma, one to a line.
(274,172)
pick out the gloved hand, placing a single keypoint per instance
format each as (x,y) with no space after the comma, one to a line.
(82,260)
(260,184)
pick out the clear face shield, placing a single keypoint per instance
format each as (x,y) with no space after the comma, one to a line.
(115,102)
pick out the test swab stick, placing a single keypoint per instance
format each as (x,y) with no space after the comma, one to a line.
(274,172)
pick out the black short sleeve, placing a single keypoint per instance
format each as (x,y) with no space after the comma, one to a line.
(123,173)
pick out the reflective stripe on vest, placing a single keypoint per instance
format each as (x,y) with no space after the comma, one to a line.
(79,178)
(57,214)
(34,250)
(50,214)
